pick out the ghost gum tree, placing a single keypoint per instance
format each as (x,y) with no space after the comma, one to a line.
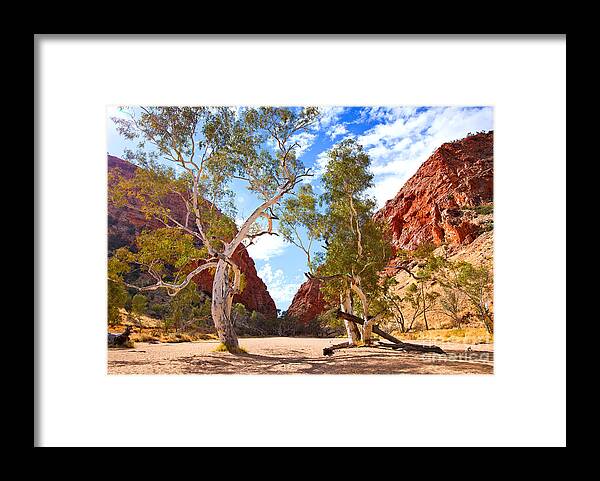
(206,149)
(356,249)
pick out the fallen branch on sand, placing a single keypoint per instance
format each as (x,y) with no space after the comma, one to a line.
(328,351)
(395,343)
(404,346)
(115,340)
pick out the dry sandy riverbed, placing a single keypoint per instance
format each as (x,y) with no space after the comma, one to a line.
(286,355)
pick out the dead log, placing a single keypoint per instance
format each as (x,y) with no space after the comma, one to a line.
(412,347)
(117,340)
(328,351)
(397,343)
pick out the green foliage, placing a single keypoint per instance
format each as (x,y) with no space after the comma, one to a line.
(158,310)
(450,302)
(418,295)
(327,323)
(160,247)
(223,348)
(118,264)
(266,171)
(254,323)
(390,303)
(139,304)
(239,314)
(357,247)
(183,308)
(462,279)
(347,174)
(204,310)
(117,297)
(243,282)
(476,283)
(424,251)
(181,135)
(484,209)
(421,300)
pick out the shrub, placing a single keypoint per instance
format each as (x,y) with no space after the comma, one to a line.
(222,348)
(484,209)
(117,298)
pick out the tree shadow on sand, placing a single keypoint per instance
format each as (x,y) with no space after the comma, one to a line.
(342,363)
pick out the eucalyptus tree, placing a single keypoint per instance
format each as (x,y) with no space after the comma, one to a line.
(117,297)
(421,300)
(194,154)
(139,307)
(423,266)
(355,246)
(475,283)
(183,308)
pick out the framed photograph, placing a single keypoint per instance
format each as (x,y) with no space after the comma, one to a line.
(237,250)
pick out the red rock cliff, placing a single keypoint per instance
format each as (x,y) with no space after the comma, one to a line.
(125,224)
(429,207)
(308,302)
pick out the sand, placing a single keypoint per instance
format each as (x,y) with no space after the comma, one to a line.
(285,355)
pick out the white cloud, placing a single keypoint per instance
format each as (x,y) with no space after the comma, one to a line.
(321,163)
(281,291)
(337,130)
(404,138)
(318,169)
(305,141)
(387,114)
(267,246)
(329,116)
(386,188)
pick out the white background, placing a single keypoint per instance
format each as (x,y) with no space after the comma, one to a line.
(523,403)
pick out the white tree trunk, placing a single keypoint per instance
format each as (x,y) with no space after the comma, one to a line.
(346,306)
(222,298)
(223,291)
(367,328)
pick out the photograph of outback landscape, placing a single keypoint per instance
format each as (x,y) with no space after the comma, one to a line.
(300,240)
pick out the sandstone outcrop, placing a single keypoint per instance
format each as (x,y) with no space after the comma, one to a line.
(436,204)
(308,302)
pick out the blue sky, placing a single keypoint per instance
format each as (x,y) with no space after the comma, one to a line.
(398,140)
